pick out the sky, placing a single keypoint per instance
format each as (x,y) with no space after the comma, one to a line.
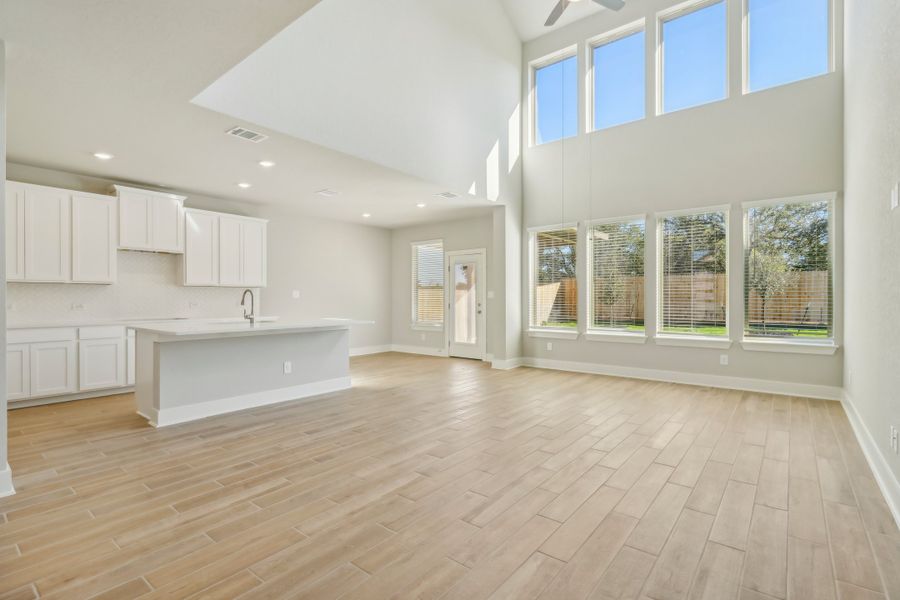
(788,42)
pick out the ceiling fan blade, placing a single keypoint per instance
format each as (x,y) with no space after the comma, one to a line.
(611,4)
(557,12)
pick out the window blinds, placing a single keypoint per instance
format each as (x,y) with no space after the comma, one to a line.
(788,271)
(554,294)
(428,283)
(693,274)
(617,275)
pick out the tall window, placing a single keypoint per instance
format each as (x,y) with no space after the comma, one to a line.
(617,275)
(694,57)
(554,292)
(428,283)
(787,40)
(556,100)
(619,80)
(693,274)
(788,270)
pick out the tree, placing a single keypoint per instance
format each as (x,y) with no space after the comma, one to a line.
(768,276)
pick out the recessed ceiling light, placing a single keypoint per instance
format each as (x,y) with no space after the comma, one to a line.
(244,185)
(103,155)
(366,215)
(421,205)
(266,164)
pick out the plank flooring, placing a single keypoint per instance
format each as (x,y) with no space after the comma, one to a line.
(438,478)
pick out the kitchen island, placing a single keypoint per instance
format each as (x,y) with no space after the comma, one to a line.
(188,370)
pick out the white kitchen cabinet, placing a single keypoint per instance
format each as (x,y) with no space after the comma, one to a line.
(253,253)
(53,368)
(130,357)
(15,231)
(201,248)
(94,245)
(230,251)
(18,373)
(224,250)
(47,234)
(101,363)
(150,221)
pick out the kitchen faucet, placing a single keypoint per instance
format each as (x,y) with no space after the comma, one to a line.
(251,317)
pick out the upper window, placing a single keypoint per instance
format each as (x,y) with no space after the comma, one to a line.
(556,100)
(616,252)
(788,270)
(694,57)
(428,283)
(554,291)
(694,274)
(787,40)
(619,80)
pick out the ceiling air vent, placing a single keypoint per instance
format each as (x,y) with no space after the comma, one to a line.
(246,134)
(327,193)
(447,195)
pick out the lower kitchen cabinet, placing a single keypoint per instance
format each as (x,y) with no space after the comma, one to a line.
(53,368)
(18,372)
(101,364)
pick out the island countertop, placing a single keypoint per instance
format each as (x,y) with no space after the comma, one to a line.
(183,330)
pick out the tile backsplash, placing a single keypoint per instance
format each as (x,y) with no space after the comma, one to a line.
(148,287)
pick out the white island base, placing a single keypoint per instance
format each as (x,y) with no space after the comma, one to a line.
(186,372)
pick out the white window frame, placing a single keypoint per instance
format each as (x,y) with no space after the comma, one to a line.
(603,334)
(543,331)
(414,322)
(670,14)
(793,345)
(690,339)
(603,39)
(533,66)
(745,49)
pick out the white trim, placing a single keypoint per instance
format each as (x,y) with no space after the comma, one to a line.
(427,350)
(887,481)
(765,386)
(620,337)
(6,482)
(612,220)
(789,345)
(691,341)
(366,350)
(427,326)
(482,313)
(604,39)
(41,401)
(509,363)
(554,227)
(414,267)
(558,334)
(191,412)
(805,198)
(533,66)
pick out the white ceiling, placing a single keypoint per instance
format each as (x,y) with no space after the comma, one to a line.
(118,76)
(529,16)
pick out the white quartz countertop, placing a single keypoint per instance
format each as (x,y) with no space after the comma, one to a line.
(124,322)
(181,330)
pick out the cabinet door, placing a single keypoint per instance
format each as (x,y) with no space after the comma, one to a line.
(135,220)
(15,232)
(47,229)
(253,251)
(53,368)
(168,224)
(93,238)
(201,249)
(230,254)
(101,364)
(130,358)
(17,372)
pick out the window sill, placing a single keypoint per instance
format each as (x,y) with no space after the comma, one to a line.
(693,341)
(617,337)
(426,327)
(559,334)
(792,346)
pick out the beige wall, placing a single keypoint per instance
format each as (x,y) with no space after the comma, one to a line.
(776,143)
(872,290)
(4,467)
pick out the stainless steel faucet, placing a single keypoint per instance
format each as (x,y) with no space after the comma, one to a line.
(252,316)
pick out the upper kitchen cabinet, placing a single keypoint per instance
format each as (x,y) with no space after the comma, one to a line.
(94,224)
(150,221)
(15,231)
(224,250)
(47,234)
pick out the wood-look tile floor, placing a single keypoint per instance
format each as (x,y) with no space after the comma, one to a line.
(437,478)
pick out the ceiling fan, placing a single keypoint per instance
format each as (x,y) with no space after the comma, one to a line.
(561,6)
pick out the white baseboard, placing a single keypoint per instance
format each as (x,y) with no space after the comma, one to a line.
(14,404)
(6,482)
(824,392)
(182,414)
(509,363)
(365,350)
(887,481)
(429,350)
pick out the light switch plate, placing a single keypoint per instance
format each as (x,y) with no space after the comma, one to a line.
(723,360)
(295,294)
(288,367)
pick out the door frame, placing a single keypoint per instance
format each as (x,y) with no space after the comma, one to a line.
(449,286)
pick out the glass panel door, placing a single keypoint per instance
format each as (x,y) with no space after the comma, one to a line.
(466,305)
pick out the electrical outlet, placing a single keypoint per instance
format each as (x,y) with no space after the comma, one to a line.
(295,294)
(723,360)
(895,196)
(549,345)
(288,367)
(77,306)
(894,444)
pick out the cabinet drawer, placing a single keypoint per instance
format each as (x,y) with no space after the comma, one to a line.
(29,336)
(101,332)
